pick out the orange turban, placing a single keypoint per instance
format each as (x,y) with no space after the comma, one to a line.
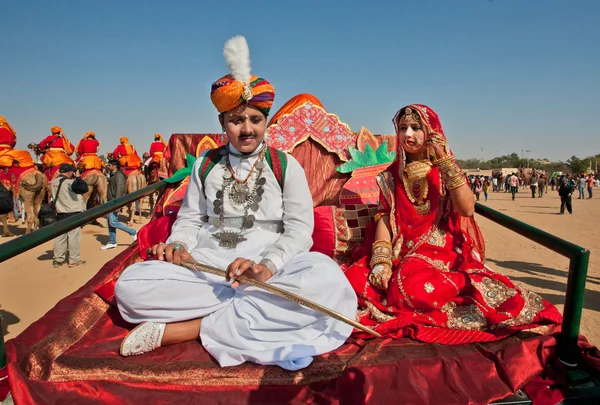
(123,139)
(228,93)
(240,87)
(89,134)
(5,124)
(158,137)
(56,130)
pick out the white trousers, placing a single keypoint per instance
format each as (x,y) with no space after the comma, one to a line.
(245,324)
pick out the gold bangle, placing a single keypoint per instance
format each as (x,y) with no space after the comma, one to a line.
(456,182)
(380,215)
(380,260)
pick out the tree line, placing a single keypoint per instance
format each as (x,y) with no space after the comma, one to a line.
(572,165)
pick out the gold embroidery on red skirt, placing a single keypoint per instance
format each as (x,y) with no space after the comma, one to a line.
(429,287)
(438,264)
(494,292)
(533,304)
(378,315)
(421,313)
(437,237)
(467,317)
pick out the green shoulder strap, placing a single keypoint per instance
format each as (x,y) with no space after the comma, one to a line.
(209,161)
(276,159)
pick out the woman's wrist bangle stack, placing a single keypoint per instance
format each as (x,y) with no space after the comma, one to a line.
(456,182)
(382,253)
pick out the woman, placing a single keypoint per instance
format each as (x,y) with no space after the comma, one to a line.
(249,215)
(425,276)
(478,187)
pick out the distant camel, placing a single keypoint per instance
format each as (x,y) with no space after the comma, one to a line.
(135,181)
(32,191)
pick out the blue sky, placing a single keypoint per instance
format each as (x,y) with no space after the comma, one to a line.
(503,75)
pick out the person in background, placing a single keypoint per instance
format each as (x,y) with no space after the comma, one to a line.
(477,187)
(66,190)
(590,185)
(116,188)
(565,191)
(514,185)
(541,186)
(533,184)
(553,182)
(581,182)
(6,200)
(486,188)
(495,184)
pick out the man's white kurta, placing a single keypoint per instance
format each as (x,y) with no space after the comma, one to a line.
(246,324)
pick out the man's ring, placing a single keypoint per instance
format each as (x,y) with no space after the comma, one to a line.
(177,246)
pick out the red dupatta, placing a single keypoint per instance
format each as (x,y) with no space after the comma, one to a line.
(403,216)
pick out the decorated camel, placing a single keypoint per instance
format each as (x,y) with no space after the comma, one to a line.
(30,186)
(135,181)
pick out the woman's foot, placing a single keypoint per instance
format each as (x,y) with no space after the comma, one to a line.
(142,339)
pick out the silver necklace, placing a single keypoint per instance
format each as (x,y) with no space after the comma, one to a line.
(241,197)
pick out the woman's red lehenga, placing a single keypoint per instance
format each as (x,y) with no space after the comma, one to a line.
(440,290)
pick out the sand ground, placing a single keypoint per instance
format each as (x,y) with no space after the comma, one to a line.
(30,286)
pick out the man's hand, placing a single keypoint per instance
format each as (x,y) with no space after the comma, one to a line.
(172,253)
(240,265)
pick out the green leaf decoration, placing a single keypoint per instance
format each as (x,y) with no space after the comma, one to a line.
(368,158)
(357,156)
(349,166)
(383,156)
(184,172)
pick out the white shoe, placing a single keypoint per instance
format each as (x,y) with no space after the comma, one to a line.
(109,246)
(134,236)
(142,339)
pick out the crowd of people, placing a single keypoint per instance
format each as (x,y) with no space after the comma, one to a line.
(66,179)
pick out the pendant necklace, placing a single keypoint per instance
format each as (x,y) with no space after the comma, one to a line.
(241,197)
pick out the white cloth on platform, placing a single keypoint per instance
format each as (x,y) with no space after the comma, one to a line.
(246,324)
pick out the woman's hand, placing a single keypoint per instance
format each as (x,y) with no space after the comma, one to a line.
(380,276)
(437,146)
(172,253)
(240,265)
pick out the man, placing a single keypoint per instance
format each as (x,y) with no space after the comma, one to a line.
(157,149)
(6,200)
(125,153)
(581,182)
(514,185)
(87,153)
(541,186)
(116,188)
(66,190)
(269,243)
(590,185)
(57,148)
(10,157)
(533,184)
(565,191)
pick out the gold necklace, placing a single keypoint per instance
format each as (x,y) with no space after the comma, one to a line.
(414,178)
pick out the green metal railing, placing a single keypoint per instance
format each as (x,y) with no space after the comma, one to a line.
(29,241)
(579,258)
(19,245)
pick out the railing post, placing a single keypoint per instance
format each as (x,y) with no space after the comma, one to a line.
(568,347)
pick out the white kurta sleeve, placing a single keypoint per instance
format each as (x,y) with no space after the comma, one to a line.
(298,217)
(189,219)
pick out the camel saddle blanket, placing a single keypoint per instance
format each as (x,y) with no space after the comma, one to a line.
(11,177)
